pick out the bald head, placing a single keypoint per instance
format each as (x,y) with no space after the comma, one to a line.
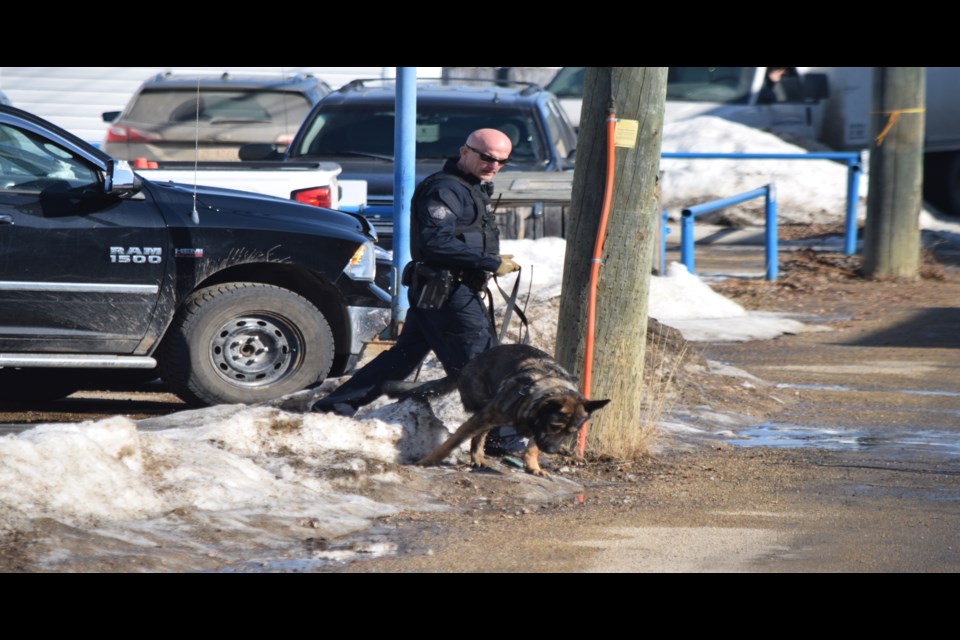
(480,155)
(495,142)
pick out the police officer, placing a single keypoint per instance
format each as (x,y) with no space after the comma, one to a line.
(454,246)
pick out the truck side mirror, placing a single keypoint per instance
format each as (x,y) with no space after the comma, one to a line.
(110,116)
(816,87)
(121,178)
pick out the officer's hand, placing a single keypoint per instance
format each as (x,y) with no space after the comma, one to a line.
(507,265)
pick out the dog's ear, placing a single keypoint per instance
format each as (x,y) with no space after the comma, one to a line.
(592,405)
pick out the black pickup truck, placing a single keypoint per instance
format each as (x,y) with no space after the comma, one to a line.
(230,297)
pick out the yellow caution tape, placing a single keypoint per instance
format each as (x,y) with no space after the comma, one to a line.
(893,118)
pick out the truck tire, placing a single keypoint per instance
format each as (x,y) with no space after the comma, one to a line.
(245,343)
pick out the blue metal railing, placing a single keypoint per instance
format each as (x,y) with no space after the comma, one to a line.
(854,168)
(851,158)
(767,192)
(664,232)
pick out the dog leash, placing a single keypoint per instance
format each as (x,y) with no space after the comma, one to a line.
(511,299)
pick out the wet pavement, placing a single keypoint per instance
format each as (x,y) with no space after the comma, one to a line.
(884,382)
(879,384)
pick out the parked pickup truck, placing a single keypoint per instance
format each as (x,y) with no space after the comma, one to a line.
(231,297)
(314,183)
(354,127)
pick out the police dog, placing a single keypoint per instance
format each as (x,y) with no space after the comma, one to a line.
(521,386)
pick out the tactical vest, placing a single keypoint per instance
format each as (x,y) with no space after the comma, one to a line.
(484,221)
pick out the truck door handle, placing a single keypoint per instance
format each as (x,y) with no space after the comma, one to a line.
(5,219)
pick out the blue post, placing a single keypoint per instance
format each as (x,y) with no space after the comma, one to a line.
(664,230)
(404,179)
(853,196)
(772,242)
(686,239)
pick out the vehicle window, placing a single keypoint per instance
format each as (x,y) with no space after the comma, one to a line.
(709,84)
(780,84)
(568,83)
(226,106)
(33,164)
(368,130)
(695,84)
(561,137)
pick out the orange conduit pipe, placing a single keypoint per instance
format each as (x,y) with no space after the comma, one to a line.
(594,276)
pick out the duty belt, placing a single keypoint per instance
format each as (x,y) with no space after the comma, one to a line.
(475,279)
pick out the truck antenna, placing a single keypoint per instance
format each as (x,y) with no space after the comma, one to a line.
(196,156)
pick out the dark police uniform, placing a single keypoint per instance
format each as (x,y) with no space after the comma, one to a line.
(454,235)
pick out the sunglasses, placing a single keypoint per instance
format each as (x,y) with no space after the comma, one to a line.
(487,157)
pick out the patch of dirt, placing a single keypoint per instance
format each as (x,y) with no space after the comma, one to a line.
(825,283)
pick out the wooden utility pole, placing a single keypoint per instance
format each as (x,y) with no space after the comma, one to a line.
(891,245)
(637,95)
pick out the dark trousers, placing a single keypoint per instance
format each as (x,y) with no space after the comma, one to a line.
(456,333)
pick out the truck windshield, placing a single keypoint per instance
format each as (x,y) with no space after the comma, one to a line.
(441,131)
(216,105)
(710,84)
(690,84)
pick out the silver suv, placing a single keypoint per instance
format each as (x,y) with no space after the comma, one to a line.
(209,118)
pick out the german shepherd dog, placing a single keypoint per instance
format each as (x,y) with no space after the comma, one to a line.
(521,386)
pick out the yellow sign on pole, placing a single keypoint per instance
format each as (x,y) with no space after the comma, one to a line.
(625,134)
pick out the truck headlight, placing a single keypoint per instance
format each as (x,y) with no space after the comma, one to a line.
(362,265)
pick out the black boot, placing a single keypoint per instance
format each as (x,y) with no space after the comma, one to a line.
(340,408)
